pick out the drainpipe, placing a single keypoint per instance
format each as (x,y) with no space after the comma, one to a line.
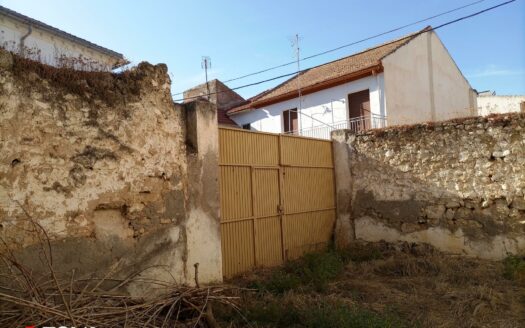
(23,39)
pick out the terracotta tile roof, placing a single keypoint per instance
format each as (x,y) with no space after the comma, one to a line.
(223,119)
(329,74)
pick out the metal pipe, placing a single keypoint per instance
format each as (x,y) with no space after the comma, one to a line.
(23,39)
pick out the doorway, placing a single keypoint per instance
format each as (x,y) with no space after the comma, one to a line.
(359,111)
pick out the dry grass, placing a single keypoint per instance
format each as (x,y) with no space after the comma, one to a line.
(439,290)
(404,286)
(52,298)
(110,88)
(368,285)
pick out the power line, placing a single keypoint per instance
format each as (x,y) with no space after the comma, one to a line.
(382,45)
(349,44)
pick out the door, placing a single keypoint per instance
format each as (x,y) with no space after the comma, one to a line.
(359,111)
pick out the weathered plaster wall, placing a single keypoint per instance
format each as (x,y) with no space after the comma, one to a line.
(219,94)
(49,48)
(423,83)
(500,104)
(203,206)
(458,185)
(101,163)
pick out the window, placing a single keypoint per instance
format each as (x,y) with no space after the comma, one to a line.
(290,123)
(247,126)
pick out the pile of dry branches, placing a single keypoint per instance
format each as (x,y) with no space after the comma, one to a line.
(51,298)
(50,301)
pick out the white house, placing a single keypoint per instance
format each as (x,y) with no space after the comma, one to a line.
(405,81)
(490,103)
(39,41)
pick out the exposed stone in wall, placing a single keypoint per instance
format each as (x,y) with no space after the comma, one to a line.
(98,160)
(458,185)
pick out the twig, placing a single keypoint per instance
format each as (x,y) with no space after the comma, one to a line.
(196,265)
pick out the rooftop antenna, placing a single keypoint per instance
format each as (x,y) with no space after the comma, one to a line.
(205,64)
(295,44)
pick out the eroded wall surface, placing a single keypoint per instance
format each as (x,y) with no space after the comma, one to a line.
(500,104)
(100,162)
(458,185)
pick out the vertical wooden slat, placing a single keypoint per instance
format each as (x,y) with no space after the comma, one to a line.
(254,219)
(281,198)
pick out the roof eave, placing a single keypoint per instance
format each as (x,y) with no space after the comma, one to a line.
(57,32)
(316,87)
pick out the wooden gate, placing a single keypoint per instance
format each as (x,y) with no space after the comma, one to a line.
(277,198)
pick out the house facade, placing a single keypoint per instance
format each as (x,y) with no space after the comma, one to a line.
(404,81)
(38,41)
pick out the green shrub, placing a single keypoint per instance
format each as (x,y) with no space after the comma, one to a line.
(279,282)
(340,315)
(360,253)
(275,313)
(514,268)
(315,270)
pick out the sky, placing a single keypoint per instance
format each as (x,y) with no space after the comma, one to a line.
(242,36)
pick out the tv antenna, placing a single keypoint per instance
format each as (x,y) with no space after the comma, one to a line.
(205,64)
(295,45)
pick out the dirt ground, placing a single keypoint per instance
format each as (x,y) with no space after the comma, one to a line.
(384,285)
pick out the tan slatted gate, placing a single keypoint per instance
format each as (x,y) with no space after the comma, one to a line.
(277,198)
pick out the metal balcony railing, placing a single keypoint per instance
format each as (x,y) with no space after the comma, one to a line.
(357,124)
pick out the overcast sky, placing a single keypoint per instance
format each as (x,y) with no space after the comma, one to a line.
(244,36)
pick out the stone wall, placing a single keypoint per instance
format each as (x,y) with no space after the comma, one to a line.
(100,162)
(458,185)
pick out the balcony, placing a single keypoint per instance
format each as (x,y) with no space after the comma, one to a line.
(357,124)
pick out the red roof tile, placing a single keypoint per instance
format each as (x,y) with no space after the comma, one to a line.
(329,74)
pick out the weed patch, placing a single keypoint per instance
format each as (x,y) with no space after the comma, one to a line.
(313,271)
(514,268)
(360,253)
(296,311)
(340,315)
(384,285)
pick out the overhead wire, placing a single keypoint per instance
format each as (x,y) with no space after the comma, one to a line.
(413,35)
(350,44)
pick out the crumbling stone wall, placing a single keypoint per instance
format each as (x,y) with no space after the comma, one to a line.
(458,185)
(100,162)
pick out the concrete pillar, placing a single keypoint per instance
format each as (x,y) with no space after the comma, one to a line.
(203,226)
(344,232)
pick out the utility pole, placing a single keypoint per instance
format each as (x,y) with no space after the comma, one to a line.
(205,64)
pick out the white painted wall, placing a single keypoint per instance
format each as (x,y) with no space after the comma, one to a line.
(499,104)
(328,106)
(48,46)
(423,83)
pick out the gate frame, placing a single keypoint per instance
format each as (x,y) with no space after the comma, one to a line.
(281,210)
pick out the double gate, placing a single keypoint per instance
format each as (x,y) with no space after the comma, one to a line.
(277,198)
